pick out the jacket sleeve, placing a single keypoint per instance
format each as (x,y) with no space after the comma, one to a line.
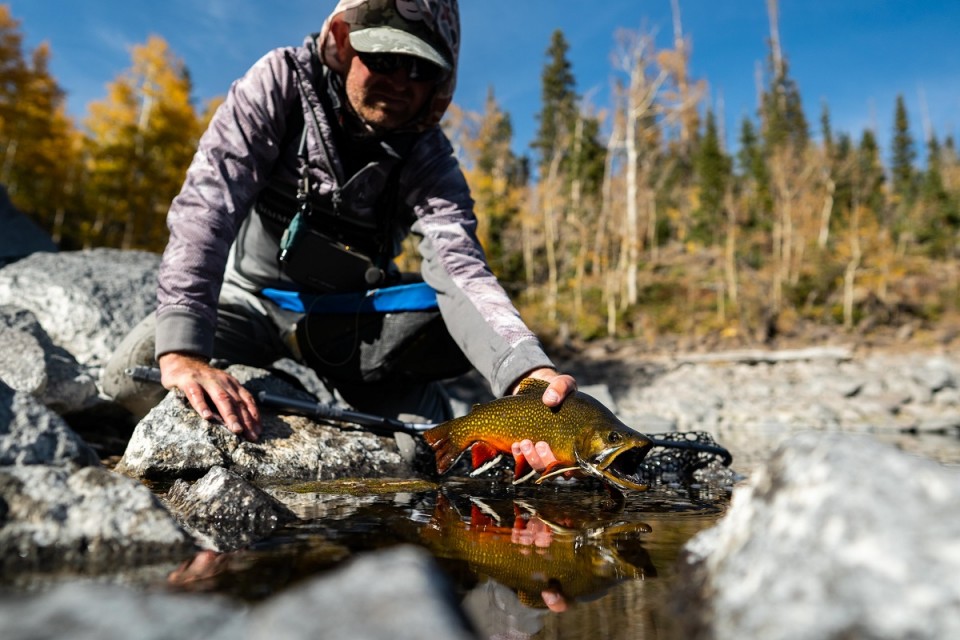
(476,309)
(233,160)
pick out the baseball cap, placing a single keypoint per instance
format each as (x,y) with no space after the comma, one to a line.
(395,26)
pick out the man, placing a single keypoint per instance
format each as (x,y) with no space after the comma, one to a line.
(335,145)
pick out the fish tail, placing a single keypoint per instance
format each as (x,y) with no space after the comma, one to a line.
(443,447)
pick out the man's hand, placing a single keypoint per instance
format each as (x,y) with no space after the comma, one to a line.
(538,455)
(202,384)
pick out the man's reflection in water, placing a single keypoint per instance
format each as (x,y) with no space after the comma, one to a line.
(498,614)
(201,568)
(537,533)
(497,609)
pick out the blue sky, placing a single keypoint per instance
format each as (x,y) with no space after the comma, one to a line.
(857,55)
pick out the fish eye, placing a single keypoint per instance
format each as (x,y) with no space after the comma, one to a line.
(614,437)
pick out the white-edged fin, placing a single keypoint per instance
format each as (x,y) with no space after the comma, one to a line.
(485,509)
(556,472)
(486,466)
(525,478)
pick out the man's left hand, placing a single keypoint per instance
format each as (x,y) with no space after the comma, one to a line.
(538,455)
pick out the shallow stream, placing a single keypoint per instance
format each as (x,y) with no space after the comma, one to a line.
(557,561)
(538,562)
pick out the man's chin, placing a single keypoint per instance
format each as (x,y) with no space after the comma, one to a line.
(387,115)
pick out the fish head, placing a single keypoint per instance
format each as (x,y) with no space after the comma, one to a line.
(612,453)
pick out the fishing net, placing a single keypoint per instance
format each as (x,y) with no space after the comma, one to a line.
(685,458)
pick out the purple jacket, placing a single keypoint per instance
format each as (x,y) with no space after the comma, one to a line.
(215,237)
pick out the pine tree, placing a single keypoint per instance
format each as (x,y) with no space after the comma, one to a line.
(713,169)
(754,172)
(940,214)
(869,175)
(903,155)
(497,183)
(559,100)
(781,111)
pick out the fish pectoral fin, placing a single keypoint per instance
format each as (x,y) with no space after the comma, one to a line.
(481,453)
(556,470)
(521,468)
(529,475)
(486,466)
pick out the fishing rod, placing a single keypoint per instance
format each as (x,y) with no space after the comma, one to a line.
(319,410)
(388,426)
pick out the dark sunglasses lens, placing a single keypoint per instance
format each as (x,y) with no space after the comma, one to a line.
(425,71)
(384,63)
(389,63)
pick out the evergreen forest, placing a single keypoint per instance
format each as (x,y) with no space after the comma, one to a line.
(634,222)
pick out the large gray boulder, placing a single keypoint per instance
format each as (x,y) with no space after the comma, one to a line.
(90,519)
(30,362)
(84,610)
(398,594)
(86,301)
(173,441)
(837,536)
(31,434)
(389,595)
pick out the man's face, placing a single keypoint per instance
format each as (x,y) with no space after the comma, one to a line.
(384,101)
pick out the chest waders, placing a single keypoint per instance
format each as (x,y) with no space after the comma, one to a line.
(359,324)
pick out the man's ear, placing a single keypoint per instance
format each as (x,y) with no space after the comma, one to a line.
(341,35)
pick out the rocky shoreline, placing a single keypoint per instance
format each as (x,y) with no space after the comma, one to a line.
(826,436)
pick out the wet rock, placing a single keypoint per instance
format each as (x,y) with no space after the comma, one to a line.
(390,595)
(31,434)
(172,441)
(90,519)
(86,301)
(83,610)
(224,512)
(838,536)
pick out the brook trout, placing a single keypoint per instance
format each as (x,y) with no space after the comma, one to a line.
(585,436)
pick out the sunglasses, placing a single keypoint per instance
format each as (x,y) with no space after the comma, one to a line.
(387,64)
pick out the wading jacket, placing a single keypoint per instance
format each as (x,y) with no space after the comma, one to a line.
(252,141)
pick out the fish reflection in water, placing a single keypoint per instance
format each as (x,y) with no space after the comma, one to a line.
(548,556)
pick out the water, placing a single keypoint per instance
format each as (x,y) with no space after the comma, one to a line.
(539,562)
(555,561)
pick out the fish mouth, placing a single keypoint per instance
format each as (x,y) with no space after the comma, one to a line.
(619,465)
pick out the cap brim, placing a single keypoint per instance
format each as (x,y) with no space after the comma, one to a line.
(391,40)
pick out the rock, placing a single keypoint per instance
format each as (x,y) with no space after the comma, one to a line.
(172,441)
(21,361)
(86,301)
(224,512)
(83,610)
(601,393)
(91,519)
(838,536)
(32,434)
(21,236)
(30,362)
(388,595)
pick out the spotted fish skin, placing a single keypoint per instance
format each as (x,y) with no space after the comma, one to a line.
(583,434)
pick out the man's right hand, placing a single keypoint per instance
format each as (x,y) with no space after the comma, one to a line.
(203,384)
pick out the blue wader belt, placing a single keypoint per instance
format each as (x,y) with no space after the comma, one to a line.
(417,296)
